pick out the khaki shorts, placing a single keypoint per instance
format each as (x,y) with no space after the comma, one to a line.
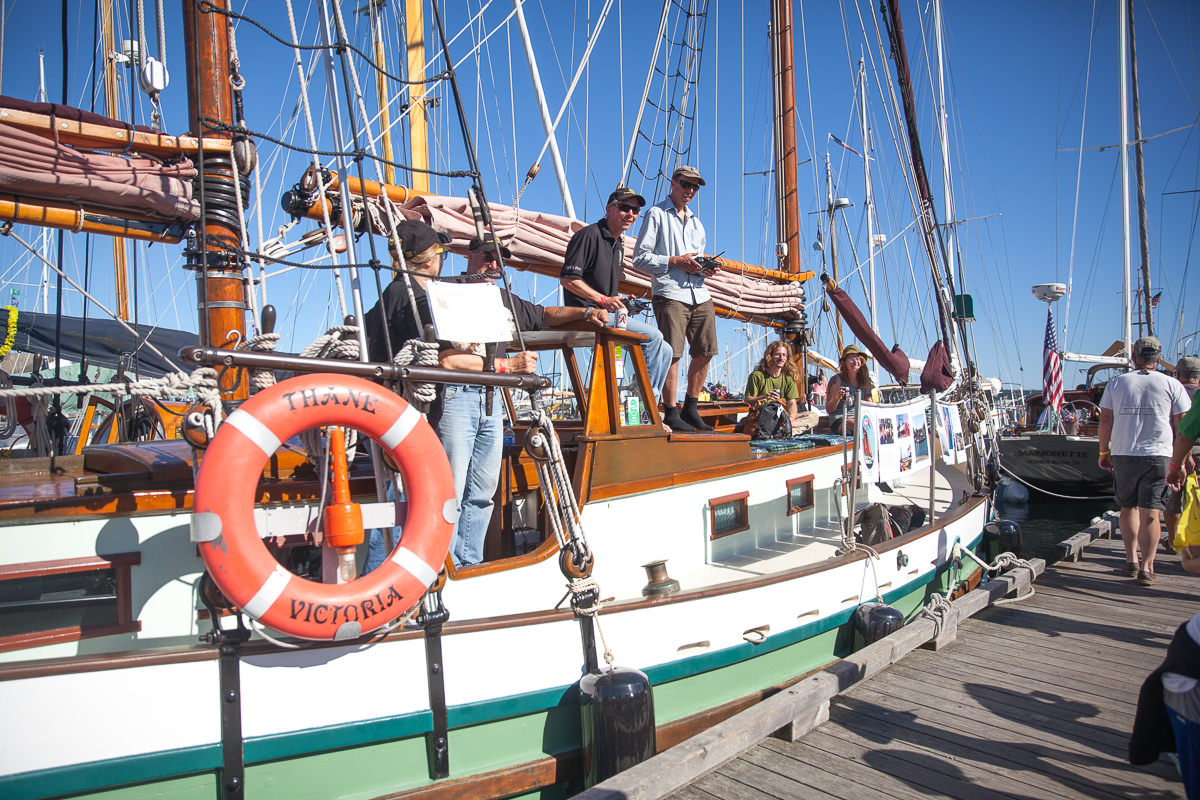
(697,324)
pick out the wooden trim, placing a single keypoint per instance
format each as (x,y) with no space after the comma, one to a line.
(508,782)
(684,477)
(91,136)
(581,398)
(743,508)
(812,494)
(36,569)
(121,563)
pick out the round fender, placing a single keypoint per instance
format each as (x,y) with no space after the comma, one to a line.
(223,522)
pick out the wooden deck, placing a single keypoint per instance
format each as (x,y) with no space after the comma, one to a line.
(1033,700)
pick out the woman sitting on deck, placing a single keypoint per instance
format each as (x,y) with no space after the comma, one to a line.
(852,374)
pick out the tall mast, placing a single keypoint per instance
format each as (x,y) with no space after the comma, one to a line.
(832,245)
(1125,235)
(1141,180)
(414,37)
(787,205)
(944,135)
(385,117)
(868,201)
(219,275)
(44,280)
(112,108)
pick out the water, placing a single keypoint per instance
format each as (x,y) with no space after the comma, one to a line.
(1046,521)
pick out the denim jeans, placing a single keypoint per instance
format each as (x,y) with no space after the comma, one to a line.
(474,444)
(376,553)
(656,351)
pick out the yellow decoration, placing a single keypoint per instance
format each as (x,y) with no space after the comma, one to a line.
(11,336)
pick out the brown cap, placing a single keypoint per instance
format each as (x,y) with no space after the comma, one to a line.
(1147,346)
(416,237)
(488,242)
(851,350)
(688,173)
(624,194)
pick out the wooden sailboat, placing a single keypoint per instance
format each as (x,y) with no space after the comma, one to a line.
(126,672)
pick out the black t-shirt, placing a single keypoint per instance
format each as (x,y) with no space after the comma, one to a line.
(402,323)
(595,256)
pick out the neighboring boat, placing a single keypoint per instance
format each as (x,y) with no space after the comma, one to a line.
(125,669)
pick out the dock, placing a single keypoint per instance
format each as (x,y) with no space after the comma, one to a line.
(1028,699)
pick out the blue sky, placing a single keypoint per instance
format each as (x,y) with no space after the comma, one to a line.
(1015,84)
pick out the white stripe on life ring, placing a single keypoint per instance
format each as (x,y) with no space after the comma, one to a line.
(416,566)
(276,582)
(400,428)
(254,430)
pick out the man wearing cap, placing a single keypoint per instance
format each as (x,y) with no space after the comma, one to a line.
(1187,372)
(422,247)
(594,266)
(1138,414)
(670,239)
(474,441)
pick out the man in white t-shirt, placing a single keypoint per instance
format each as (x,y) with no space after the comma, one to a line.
(1138,414)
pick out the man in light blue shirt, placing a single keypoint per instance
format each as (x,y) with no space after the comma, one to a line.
(670,239)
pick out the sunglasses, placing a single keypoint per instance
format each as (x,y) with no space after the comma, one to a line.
(626,208)
(489,255)
(687,185)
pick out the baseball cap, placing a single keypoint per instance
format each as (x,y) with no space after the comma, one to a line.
(1147,346)
(488,242)
(1189,364)
(624,194)
(688,173)
(416,237)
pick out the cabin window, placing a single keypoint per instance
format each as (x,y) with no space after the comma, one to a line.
(62,601)
(632,408)
(729,515)
(800,494)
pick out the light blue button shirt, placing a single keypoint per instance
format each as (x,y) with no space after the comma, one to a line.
(664,235)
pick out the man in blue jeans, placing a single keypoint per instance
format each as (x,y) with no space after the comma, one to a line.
(473,439)
(593,267)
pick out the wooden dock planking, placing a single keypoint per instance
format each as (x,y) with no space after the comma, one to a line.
(1032,700)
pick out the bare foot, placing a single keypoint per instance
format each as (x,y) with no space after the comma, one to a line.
(667,428)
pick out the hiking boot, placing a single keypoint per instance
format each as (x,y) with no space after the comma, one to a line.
(1146,578)
(673,421)
(691,415)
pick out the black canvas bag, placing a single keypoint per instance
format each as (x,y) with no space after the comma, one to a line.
(773,422)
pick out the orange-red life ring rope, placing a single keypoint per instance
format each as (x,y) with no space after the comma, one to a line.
(223,522)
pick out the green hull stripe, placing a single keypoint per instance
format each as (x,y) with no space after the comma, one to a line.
(152,766)
(113,772)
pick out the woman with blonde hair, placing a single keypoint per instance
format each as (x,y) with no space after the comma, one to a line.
(852,374)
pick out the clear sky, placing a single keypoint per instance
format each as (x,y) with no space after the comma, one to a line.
(1018,77)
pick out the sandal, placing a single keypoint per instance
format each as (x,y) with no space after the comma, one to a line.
(1131,568)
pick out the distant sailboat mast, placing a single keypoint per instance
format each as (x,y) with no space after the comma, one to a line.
(1125,234)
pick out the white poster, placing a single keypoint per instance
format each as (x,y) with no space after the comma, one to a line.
(868,454)
(950,435)
(899,439)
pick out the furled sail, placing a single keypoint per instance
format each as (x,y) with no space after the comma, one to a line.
(894,360)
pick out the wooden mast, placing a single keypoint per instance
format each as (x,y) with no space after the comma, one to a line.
(112,109)
(219,279)
(385,119)
(414,37)
(787,199)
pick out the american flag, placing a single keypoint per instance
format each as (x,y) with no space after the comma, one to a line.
(1052,388)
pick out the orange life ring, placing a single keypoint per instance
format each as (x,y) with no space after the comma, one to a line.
(223,523)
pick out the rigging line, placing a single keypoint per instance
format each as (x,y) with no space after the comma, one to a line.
(1142,140)
(587,54)
(89,296)
(812,127)
(1170,60)
(637,122)
(208,7)
(1079,174)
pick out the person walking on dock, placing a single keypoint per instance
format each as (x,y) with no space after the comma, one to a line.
(1138,414)
(1187,372)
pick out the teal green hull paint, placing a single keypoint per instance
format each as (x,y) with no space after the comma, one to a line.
(484,736)
(114,772)
(335,737)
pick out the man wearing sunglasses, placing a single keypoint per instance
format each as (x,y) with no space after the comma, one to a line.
(667,246)
(593,267)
